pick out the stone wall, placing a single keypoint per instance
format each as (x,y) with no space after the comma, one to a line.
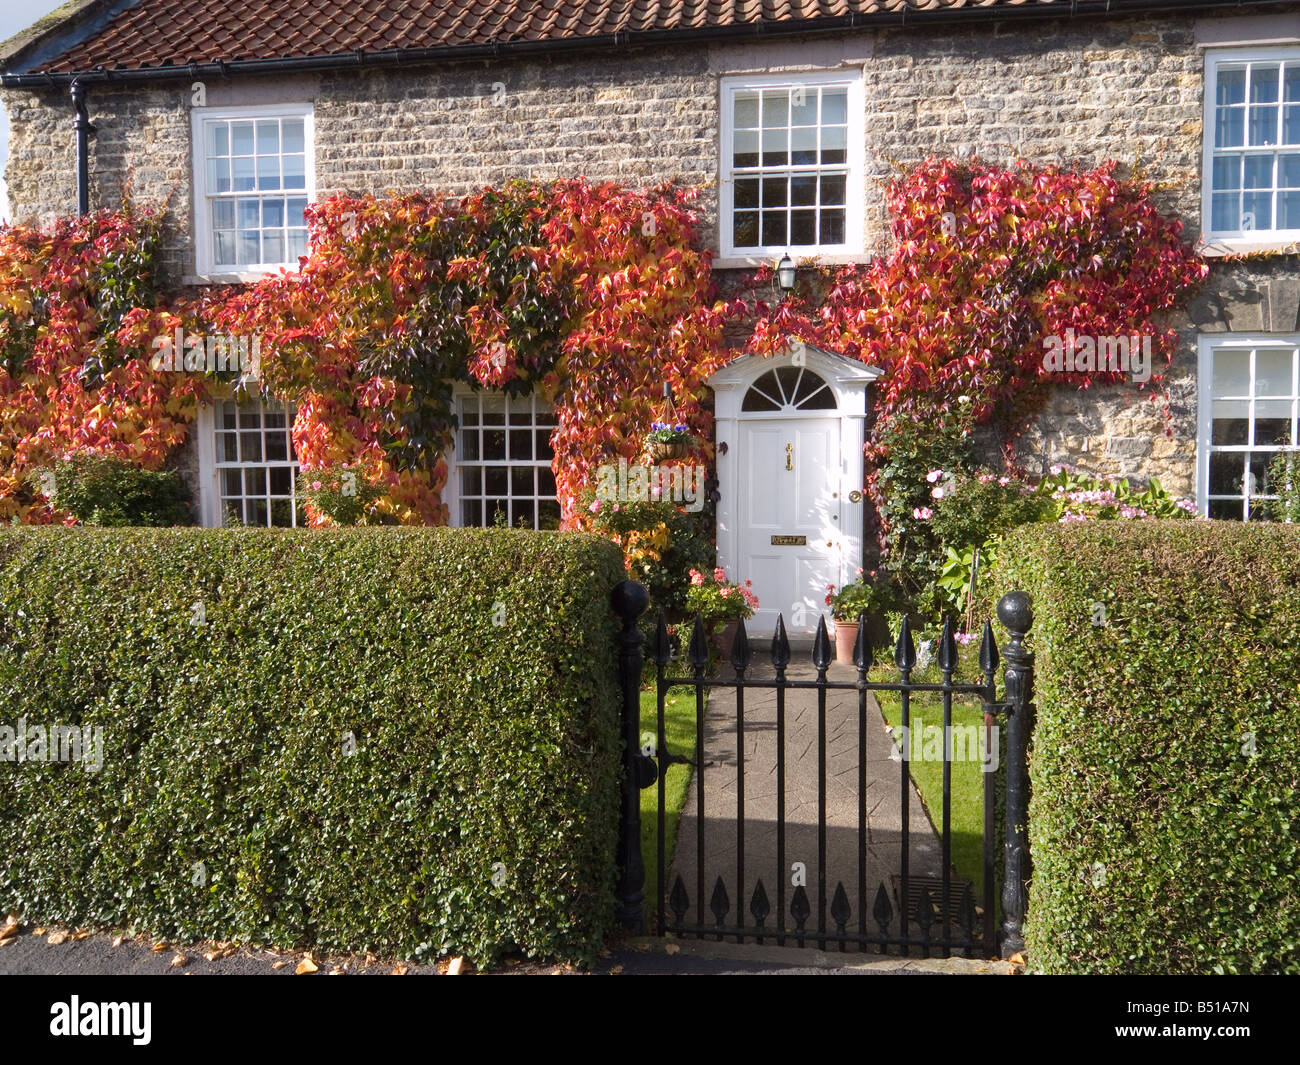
(1069,91)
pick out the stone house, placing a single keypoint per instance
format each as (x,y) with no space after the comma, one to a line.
(790,115)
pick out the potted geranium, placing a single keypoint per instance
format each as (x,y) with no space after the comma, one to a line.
(721,605)
(668,441)
(869,597)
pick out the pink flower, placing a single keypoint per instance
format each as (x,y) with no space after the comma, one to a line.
(595,506)
(933,475)
(922,513)
(936,493)
(725,592)
(1004,481)
(315,486)
(697,578)
(719,574)
(749,584)
(985,478)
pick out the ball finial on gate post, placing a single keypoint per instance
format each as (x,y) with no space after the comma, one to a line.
(1016,612)
(629,600)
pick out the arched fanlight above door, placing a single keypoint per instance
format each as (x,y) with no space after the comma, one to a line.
(789,388)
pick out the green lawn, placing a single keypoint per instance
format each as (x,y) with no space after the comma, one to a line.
(967,776)
(679,730)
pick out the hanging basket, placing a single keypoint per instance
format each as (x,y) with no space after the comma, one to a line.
(664,452)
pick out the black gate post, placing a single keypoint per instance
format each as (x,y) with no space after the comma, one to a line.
(1016,613)
(629,600)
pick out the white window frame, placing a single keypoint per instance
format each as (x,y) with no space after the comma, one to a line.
(205,424)
(204,250)
(1235,240)
(451,494)
(854,243)
(1207,346)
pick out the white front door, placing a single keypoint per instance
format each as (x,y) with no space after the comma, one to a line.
(790,541)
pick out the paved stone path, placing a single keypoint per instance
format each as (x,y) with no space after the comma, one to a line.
(884,814)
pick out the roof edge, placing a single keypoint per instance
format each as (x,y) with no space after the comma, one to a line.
(108,9)
(63,28)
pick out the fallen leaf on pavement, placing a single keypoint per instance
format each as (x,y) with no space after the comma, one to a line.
(278,964)
(82,933)
(56,938)
(1017,959)
(160,948)
(455,966)
(117,941)
(306,966)
(671,948)
(38,931)
(401,970)
(179,960)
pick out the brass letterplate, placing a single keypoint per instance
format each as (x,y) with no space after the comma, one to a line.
(789,541)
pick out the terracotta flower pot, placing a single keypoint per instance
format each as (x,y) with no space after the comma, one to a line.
(846,635)
(725,639)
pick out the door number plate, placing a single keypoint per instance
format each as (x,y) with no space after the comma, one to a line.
(790,541)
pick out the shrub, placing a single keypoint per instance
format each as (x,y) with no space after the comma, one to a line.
(316,737)
(341,496)
(1284,481)
(1164,821)
(106,491)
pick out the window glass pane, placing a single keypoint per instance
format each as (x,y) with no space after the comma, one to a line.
(471,481)
(776,143)
(1288,210)
(1231,88)
(521,480)
(745,111)
(774,191)
(471,513)
(282,513)
(273,213)
(1263,83)
(1230,127)
(297,205)
(835,107)
(249,212)
(1225,509)
(544,444)
(803,189)
(277,447)
(469,446)
(250,447)
(232,482)
(494,445)
(835,145)
(218,139)
(834,189)
(281,481)
(244,180)
(1227,172)
(218,175)
(548,514)
(521,445)
(803,106)
(832,227)
(744,229)
(242,138)
(1230,426)
(1273,372)
(273,248)
(523,514)
(803,146)
(268,172)
(1272,423)
(803,227)
(776,109)
(746,192)
(545,481)
(1257,208)
(1288,171)
(223,214)
(774,228)
(268,137)
(1259,171)
(1227,469)
(297,245)
(256,512)
(746,149)
(292,132)
(1263,125)
(224,249)
(255,481)
(495,480)
(1231,375)
(295,172)
(1225,212)
(247,250)
(1291,124)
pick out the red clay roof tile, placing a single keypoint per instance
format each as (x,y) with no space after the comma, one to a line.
(160,33)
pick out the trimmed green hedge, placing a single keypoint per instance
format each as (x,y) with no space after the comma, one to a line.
(324,738)
(1160,843)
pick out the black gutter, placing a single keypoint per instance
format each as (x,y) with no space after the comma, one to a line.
(625,39)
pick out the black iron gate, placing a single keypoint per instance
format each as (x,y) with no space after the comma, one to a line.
(925,913)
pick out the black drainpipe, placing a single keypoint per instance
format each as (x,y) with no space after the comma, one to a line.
(84,132)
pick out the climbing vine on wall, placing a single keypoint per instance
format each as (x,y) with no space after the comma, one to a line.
(985,263)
